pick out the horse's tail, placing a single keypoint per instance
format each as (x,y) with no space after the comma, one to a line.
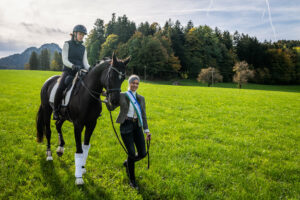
(40,125)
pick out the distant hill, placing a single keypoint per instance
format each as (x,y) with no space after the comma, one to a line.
(17,61)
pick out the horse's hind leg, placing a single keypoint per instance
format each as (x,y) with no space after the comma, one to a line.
(47,118)
(60,148)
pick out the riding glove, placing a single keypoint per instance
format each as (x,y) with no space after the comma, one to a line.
(76,67)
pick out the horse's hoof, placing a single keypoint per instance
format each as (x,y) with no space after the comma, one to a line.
(83,170)
(59,154)
(60,151)
(79,181)
(49,158)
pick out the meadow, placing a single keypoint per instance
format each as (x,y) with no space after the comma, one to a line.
(207,143)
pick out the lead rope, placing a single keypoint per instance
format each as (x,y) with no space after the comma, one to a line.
(148,141)
(148,152)
(112,122)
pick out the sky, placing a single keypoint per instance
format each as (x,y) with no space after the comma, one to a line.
(26,23)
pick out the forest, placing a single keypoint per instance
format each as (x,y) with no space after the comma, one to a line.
(176,51)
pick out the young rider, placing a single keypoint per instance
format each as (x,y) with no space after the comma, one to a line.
(74,58)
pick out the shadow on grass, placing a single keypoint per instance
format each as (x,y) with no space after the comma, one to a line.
(51,177)
(61,190)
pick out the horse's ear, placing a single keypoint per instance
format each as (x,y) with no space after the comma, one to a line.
(127,60)
(114,58)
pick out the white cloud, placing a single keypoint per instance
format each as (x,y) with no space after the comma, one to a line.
(35,22)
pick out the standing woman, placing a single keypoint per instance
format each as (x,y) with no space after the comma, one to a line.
(74,58)
(133,120)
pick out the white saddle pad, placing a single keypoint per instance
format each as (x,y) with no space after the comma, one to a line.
(66,98)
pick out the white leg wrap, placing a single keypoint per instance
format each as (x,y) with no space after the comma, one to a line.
(85,149)
(60,149)
(78,165)
(79,181)
(49,155)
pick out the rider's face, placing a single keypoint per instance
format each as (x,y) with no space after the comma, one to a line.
(134,85)
(79,36)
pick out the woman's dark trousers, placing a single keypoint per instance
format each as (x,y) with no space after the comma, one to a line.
(132,135)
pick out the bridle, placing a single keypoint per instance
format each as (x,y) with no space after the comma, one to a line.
(121,75)
(108,90)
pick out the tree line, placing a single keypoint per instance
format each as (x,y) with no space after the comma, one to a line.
(177,51)
(44,61)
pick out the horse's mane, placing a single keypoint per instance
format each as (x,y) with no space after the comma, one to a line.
(102,64)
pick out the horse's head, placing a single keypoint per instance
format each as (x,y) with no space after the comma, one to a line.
(116,76)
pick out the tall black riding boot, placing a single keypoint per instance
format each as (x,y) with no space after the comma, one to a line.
(57,101)
(58,96)
(125,164)
(132,180)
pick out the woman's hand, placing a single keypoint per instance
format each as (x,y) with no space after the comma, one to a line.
(148,136)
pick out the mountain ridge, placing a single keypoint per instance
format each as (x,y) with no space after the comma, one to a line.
(18,61)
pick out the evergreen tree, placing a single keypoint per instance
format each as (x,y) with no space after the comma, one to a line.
(33,61)
(188,27)
(296,61)
(144,28)
(202,49)
(44,59)
(228,57)
(94,41)
(122,27)
(178,40)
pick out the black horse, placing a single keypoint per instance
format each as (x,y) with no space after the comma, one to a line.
(84,108)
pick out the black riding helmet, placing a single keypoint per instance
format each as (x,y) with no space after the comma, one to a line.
(80,28)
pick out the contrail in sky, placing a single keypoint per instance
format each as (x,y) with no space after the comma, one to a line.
(263,14)
(270,19)
(209,7)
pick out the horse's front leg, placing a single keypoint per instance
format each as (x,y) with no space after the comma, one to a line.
(60,148)
(47,120)
(89,128)
(79,154)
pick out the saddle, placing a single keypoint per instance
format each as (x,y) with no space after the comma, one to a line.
(71,88)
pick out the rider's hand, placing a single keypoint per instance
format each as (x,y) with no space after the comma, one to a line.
(76,68)
(148,137)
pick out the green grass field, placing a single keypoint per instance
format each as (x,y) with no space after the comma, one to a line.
(207,143)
